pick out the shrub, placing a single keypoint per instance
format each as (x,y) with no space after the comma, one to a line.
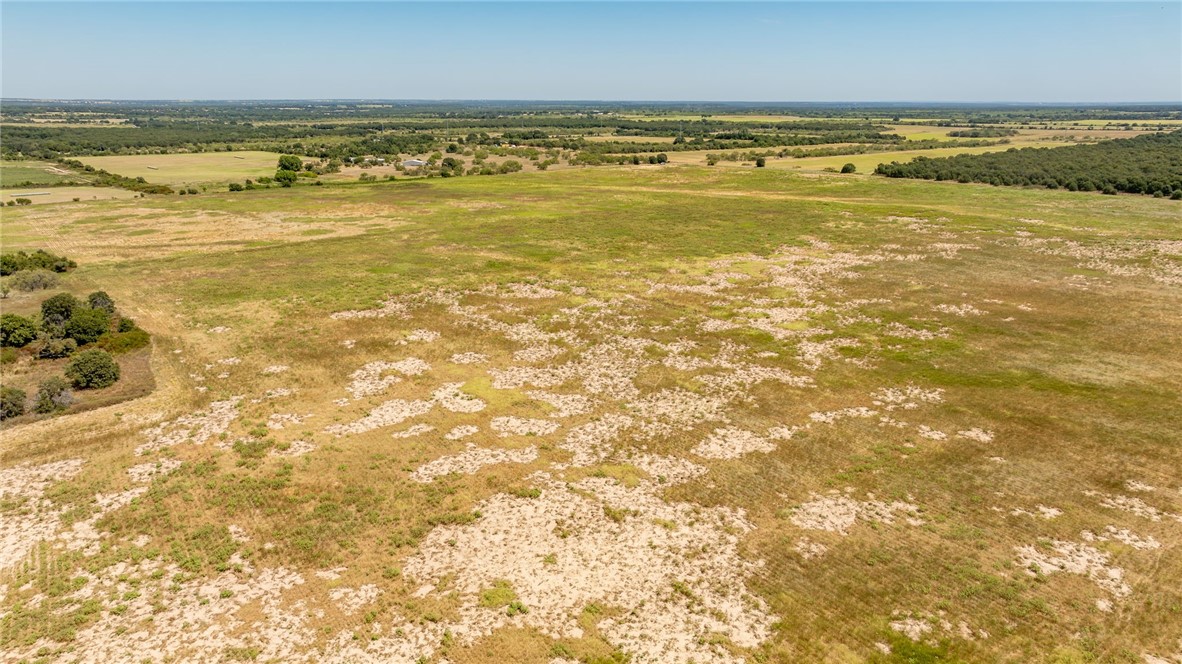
(58,309)
(87,325)
(234,186)
(12,402)
(510,166)
(122,342)
(92,368)
(23,201)
(31,280)
(760,162)
(100,300)
(126,325)
(16,331)
(290,162)
(8,355)
(285,178)
(55,348)
(53,395)
(849,168)
(40,259)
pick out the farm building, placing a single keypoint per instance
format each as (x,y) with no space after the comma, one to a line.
(414,163)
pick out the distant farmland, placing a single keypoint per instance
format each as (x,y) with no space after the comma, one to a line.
(189,169)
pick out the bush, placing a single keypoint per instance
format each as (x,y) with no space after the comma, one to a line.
(122,342)
(8,355)
(55,348)
(23,201)
(31,280)
(234,186)
(16,261)
(53,395)
(92,368)
(16,331)
(12,402)
(290,162)
(286,178)
(126,325)
(58,309)
(100,300)
(87,325)
(760,162)
(849,168)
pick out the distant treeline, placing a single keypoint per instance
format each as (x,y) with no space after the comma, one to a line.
(1150,164)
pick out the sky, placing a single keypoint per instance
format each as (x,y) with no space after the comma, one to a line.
(998,51)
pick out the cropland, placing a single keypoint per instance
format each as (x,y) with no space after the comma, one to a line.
(642,413)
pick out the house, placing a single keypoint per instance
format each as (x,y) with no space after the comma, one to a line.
(414,163)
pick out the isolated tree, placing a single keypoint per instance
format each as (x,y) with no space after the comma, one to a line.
(16,331)
(92,369)
(849,168)
(58,309)
(662,158)
(290,162)
(760,162)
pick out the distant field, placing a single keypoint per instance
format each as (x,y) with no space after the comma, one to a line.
(189,169)
(65,194)
(867,162)
(630,139)
(37,172)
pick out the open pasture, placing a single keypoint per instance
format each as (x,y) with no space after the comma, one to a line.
(615,414)
(16,172)
(42,195)
(190,169)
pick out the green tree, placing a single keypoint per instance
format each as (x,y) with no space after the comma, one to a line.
(849,168)
(290,162)
(87,325)
(285,177)
(92,368)
(760,162)
(100,300)
(53,395)
(56,310)
(16,331)
(12,402)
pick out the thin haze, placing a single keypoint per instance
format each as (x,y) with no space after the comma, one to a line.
(843,51)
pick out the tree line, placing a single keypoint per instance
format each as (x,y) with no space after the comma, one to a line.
(1150,164)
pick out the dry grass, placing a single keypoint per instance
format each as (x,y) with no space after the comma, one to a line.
(670,413)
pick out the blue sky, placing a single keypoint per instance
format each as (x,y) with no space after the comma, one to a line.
(762,51)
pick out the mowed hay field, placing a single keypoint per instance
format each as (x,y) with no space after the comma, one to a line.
(190,169)
(614,414)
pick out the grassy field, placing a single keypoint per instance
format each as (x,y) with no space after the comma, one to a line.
(671,414)
(190,169)
(867,162)
(37,172)
(44,195)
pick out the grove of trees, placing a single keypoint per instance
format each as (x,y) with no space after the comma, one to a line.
(1149,164)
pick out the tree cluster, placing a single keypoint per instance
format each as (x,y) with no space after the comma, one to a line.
(1150,164)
